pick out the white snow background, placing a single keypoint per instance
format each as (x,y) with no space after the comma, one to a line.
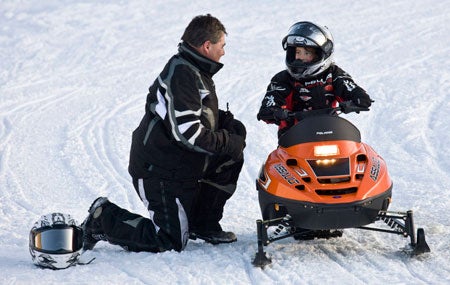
(73,82)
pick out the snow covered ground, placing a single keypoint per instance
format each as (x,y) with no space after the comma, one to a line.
(73,81)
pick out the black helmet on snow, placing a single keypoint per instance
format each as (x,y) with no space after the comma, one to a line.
(307,34)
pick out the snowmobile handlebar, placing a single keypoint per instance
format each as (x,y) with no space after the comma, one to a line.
(283,114)
(344,107)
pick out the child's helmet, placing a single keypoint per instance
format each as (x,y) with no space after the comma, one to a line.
(56,241)
(307,34)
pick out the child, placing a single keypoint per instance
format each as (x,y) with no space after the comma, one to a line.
(311,80)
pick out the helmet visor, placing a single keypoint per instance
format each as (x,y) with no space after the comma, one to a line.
(315,40)
(305,34)
(62,240)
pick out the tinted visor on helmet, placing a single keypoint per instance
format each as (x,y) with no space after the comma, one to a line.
(59,240)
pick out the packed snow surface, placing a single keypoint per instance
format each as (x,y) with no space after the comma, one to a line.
(73,82)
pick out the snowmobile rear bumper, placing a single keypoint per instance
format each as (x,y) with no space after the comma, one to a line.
(324,216)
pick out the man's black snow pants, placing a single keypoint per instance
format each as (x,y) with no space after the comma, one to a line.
(174,207)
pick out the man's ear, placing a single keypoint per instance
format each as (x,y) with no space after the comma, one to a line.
(206,46)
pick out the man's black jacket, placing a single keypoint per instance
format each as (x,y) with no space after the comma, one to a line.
(179,130)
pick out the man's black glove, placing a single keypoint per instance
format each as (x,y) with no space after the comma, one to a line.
(225,119)
(227,122)
(235,146)
(238,128)
(363,101)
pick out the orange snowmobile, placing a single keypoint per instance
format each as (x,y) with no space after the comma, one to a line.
(322,179)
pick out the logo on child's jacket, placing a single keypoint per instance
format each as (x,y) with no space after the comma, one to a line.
(350,85)
(274,87)
(270,101)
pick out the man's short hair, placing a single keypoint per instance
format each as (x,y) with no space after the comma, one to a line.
(203,28)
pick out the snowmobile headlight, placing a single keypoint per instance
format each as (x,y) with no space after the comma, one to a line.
(326,162)
(326,150)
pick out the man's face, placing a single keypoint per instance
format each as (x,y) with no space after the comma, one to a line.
(215,51)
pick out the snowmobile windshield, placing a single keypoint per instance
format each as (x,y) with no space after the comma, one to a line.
(320,128)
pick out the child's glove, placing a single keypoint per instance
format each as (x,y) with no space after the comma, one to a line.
(364,102)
